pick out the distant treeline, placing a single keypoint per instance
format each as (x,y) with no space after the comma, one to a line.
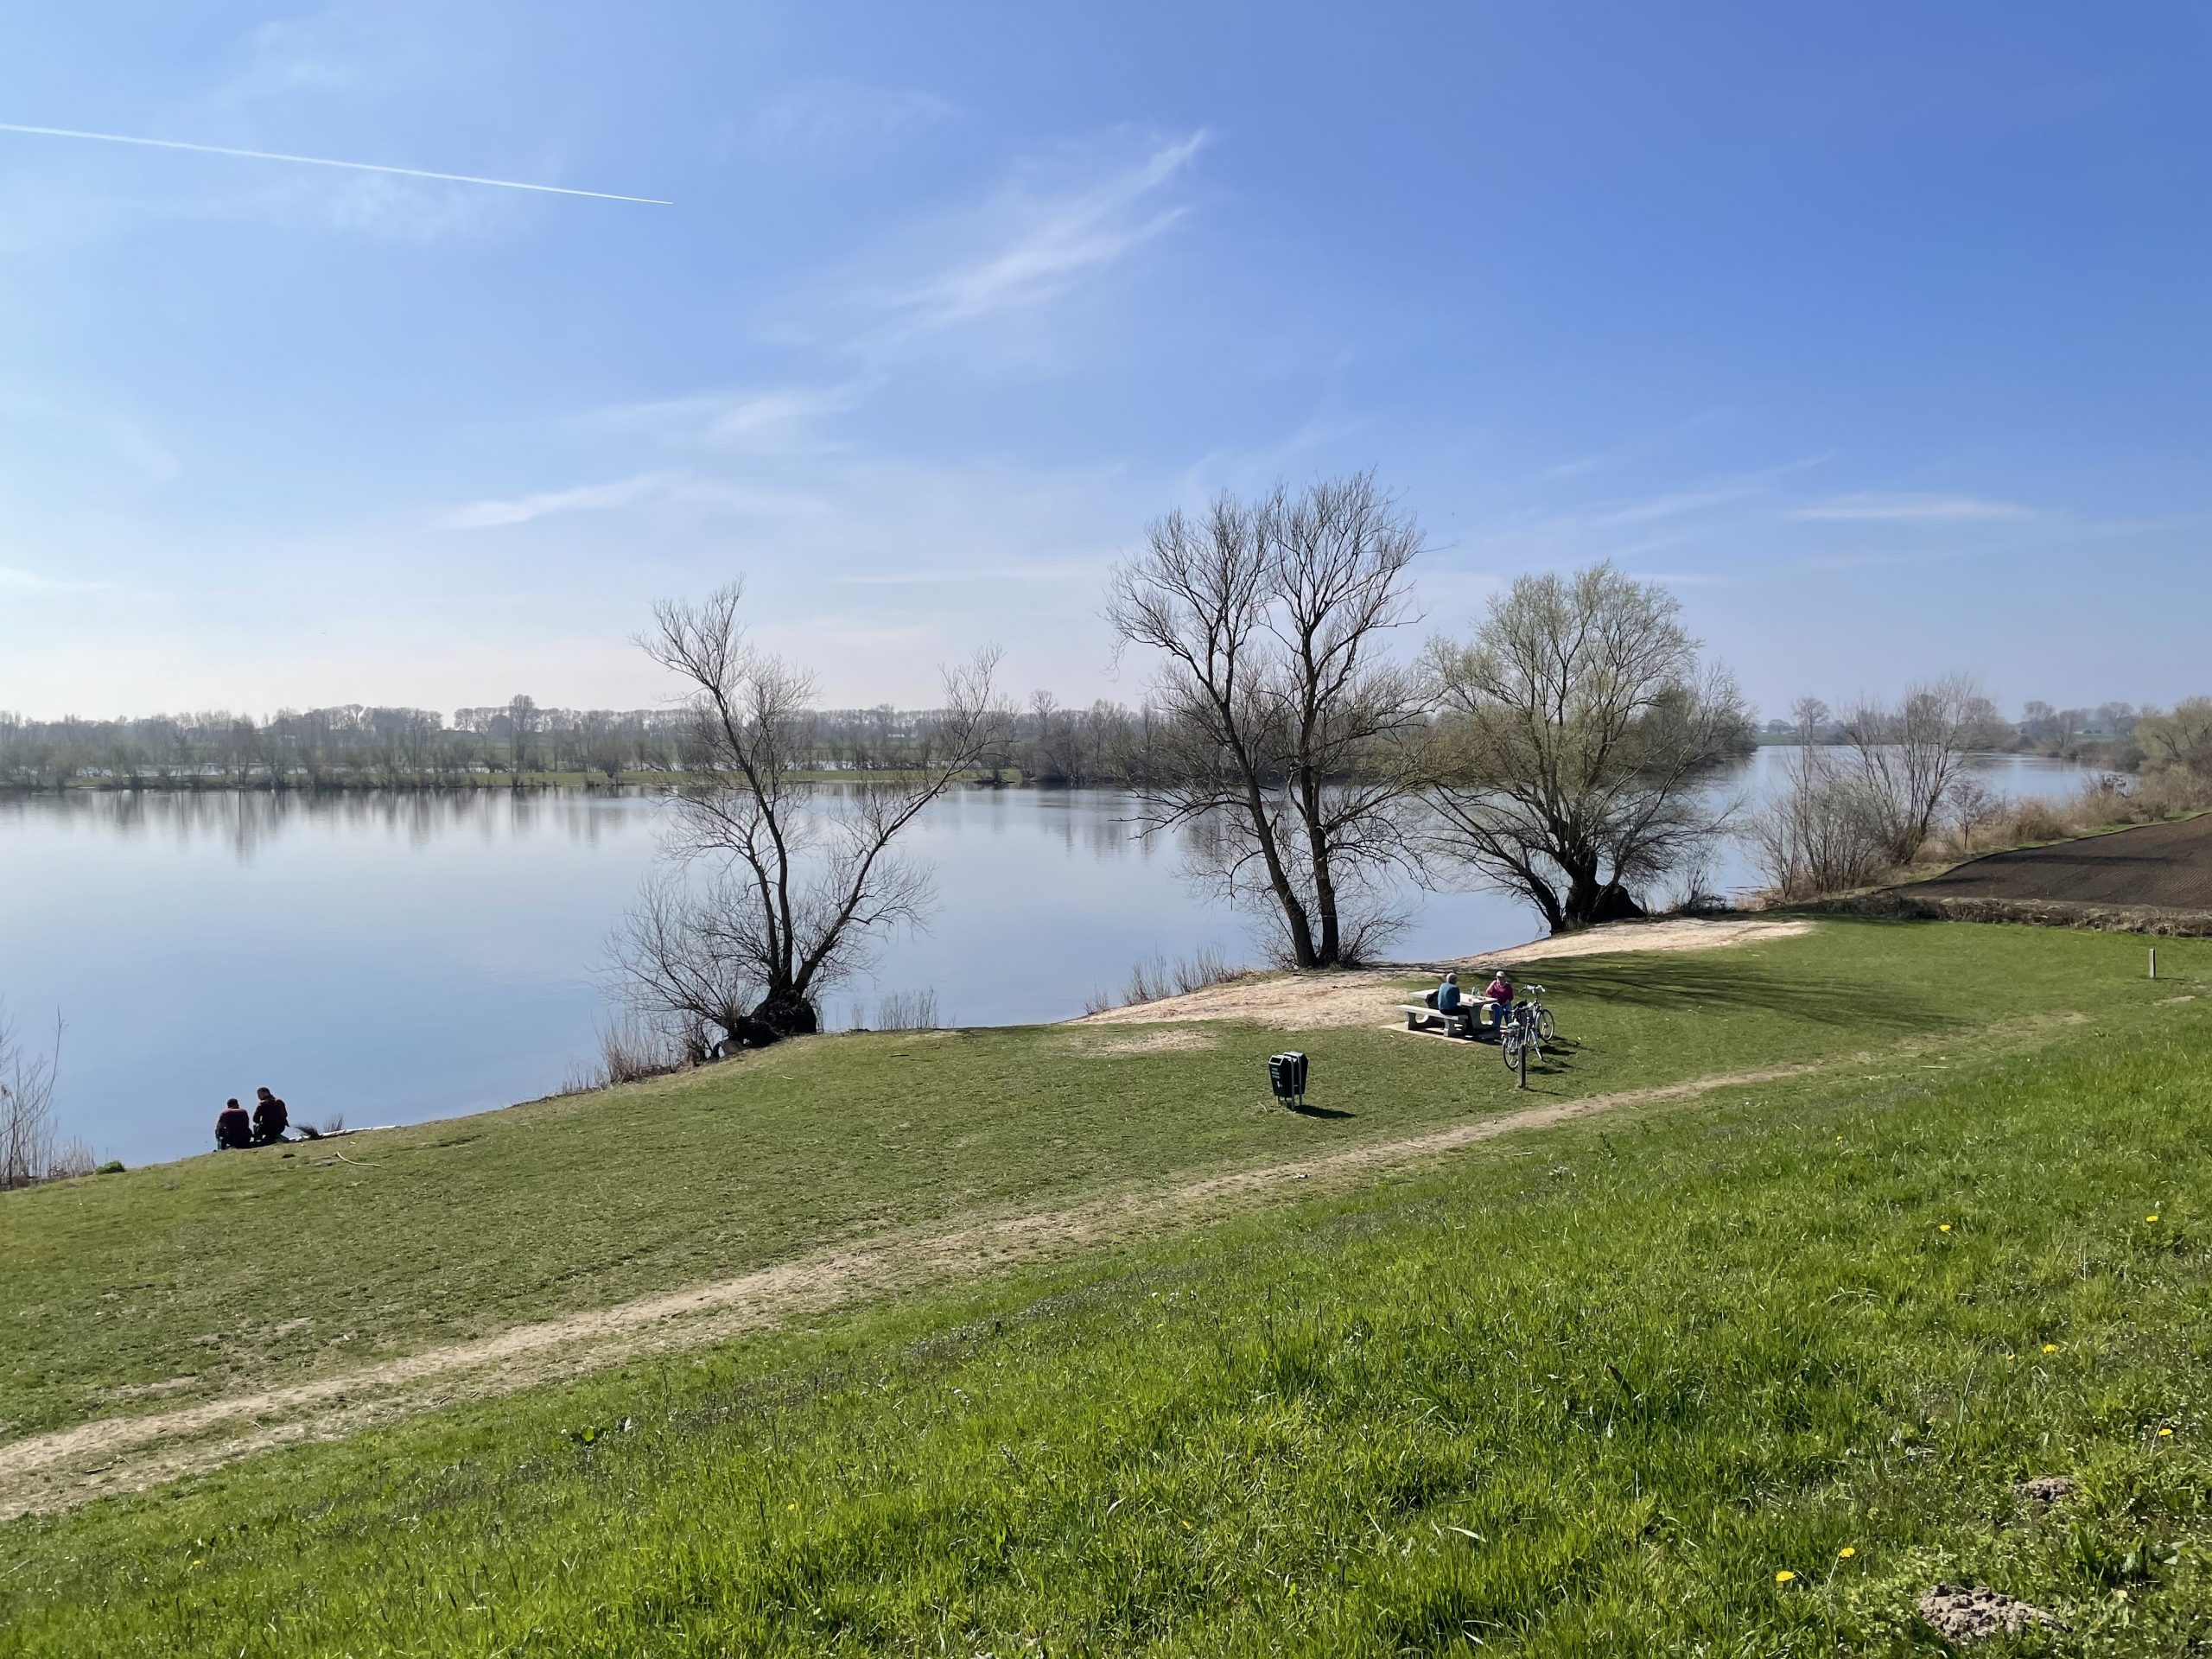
(354,745)
(2104,736)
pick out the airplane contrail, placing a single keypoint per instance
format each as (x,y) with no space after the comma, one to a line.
(325,161)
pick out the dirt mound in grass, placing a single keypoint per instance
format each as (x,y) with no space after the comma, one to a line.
(1151,1042)
(1970,1612)
(1365,996)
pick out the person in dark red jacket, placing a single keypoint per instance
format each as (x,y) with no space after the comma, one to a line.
(232,1126)
(271,1118)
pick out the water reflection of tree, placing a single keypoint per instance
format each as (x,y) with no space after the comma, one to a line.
(249,821)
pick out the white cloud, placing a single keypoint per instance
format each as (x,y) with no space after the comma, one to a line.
(1674,505)
(1030,245)
(15,579)
(131,442)
(993,573)
(585,497)
(720,494)
(763,421)
(1635,450)
(1911,508)
(836,119)
(315,57)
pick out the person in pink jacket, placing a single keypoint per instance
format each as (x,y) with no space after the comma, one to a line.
(1500,993)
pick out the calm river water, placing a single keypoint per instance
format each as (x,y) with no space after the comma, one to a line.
(399,958)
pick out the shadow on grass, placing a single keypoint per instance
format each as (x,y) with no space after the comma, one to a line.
(1691,985)
(1321,1111)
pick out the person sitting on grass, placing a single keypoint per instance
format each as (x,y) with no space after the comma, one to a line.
(271,1118)
(232,1126)
(1500,993)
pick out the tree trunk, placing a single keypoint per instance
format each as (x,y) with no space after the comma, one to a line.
(1330,952)
(1590,901)
(1296,923)
(781,1014)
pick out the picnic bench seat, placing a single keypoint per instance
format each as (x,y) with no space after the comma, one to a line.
(1463,1022)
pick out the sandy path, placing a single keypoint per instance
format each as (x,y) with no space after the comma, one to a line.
(1367,997)
(60,1470)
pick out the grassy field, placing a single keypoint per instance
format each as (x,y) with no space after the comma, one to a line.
(188,1282)
(1739,1376)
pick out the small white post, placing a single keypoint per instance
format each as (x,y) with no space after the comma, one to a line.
(2154,962)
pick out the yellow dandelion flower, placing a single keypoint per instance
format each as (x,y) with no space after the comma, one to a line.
(2050,1347)
(1945,1228)
(2165,1434)
(791,1506)
(1846,1551)
(2149,1217)
(1784,1576)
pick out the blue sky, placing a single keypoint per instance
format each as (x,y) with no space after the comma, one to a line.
(1879,331)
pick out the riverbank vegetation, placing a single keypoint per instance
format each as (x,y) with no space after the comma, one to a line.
(1752,1369)
(31,1149)
(1888,793)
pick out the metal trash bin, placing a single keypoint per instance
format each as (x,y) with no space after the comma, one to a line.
(1286,1077)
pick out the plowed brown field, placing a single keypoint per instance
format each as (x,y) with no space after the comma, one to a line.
(2156,866)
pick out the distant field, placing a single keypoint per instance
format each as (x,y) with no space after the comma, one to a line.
(2159,866)
(1738,1374)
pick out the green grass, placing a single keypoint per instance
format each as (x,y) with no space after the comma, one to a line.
(244,1270)
(1584,1391)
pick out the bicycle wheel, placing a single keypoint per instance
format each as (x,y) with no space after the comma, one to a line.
(1509,1048)
(1546,1027)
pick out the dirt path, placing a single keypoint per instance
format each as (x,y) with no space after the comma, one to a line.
(61,1470)
(1366,996)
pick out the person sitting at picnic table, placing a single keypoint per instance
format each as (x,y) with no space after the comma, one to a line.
(1447,995)
(232,1126)
(1500,995)
(271,1118)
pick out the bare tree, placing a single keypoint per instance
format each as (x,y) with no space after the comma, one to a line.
(799,882)
(523,721)
(1971,805)
(27,1079)
(1822,832)
(1909,757)
(2180,741)
(1286,735)
(682,957)
(1809,715)
(1581,731)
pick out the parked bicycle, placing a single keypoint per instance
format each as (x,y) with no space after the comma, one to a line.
(1547,1027)
(1521,1037)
